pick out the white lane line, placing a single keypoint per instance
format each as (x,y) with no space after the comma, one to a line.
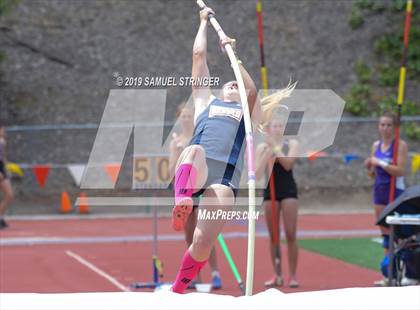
(98,271)
(23,241)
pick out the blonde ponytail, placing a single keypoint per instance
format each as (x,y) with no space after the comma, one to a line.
(271,103)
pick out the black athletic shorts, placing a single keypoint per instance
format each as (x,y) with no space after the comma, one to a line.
(219,173)
(281,194)
(284,184)
(3,172)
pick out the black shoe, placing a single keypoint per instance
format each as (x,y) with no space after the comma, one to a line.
(3,224)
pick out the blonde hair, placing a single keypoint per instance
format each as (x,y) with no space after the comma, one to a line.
(271,103)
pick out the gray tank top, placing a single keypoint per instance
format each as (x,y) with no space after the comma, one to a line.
(220,130)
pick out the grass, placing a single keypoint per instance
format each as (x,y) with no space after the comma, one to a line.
(358,251)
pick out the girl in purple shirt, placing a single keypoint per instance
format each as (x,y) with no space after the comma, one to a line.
(380,166)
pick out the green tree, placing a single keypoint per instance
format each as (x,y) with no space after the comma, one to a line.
(377,85)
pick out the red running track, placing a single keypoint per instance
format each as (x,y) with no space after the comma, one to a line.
(47,268)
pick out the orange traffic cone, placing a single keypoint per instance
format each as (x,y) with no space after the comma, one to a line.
(83,204)
(65,203)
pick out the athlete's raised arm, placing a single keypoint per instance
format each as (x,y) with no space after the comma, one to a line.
(201,94)
(252,95)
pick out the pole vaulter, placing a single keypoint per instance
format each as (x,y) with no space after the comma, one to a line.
(250,150)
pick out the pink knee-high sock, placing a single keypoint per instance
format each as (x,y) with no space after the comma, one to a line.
(185,178)
(189,269)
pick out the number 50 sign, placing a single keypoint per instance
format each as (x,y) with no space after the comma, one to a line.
(151,172)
